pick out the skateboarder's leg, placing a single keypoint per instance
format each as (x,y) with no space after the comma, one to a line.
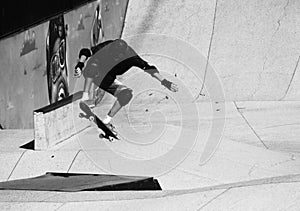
(112,112)
(99,94)
(123,96)
(86,91)
(92,91)
(91,96)
(87,97)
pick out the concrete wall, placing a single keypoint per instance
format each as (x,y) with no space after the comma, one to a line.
(253,46)
(36,66)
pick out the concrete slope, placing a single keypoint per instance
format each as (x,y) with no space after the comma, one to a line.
(242,173)
(252,46)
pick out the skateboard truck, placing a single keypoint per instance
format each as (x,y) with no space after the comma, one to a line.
(88,114)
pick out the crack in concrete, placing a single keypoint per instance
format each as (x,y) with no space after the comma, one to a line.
(213,199)
(250,126)
(281,17)
(264,64)
(257,87)
(208,53)
(283,125)
(15,166)
(252,169)
(291,80)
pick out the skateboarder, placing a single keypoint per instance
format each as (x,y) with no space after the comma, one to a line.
(101,64)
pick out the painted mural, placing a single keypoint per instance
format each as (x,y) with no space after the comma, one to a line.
(97,32)
(40,71)
(57,70)
(29,42)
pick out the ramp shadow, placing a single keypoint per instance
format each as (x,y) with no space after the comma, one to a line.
(72,182)
(29,145)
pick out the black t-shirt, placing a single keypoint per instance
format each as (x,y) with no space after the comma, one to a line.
(109,59)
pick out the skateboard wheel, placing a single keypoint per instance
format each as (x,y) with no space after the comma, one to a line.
(92,118)
(101,135)
(80,115)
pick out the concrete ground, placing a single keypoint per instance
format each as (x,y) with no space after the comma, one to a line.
(232,144)
(255,166)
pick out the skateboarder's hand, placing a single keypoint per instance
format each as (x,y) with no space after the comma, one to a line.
(173,88)
(169,85)
(77,73)
(78,69)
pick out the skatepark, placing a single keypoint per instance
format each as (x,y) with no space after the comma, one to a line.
(227,140)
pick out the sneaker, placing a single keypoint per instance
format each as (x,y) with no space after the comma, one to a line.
(111,127)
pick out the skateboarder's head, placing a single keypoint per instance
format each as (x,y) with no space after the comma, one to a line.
(85,52)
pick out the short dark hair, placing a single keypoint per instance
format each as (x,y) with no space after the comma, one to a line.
(85,52)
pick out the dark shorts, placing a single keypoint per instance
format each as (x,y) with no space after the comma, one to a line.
(115,88)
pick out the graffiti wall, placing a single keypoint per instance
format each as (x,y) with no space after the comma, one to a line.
(37,65)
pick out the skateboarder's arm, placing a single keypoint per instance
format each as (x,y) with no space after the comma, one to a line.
(158,76)
(152,70)
(84,54)
(80,65)
(82,58)
(87,85)
(168,84)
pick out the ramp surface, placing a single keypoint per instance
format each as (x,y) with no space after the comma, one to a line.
(253,47)
(81,182)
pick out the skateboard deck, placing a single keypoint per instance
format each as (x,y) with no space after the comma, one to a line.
(89,114)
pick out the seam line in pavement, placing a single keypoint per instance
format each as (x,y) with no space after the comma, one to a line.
(15,165)
(292,78)
(73,160)
(214,198)
(250,125)
(58,208)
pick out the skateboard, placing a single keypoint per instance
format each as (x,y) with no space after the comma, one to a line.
(89,114)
